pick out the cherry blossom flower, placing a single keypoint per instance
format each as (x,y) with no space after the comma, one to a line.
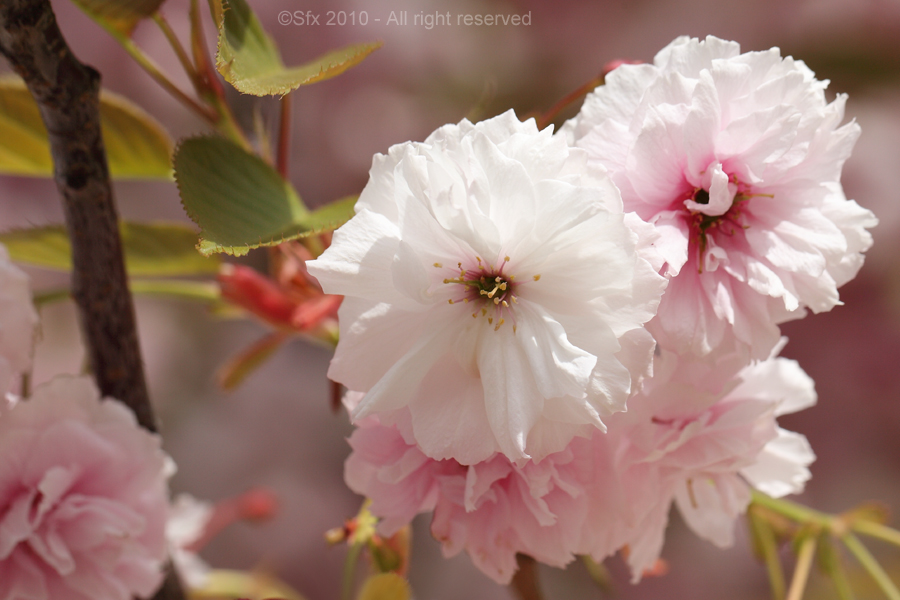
(736,158)
(493,291)
(700,435)
(83,498)
(493,509)
(18,320)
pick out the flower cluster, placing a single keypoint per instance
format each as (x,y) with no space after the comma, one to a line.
(83,497)
(505,287)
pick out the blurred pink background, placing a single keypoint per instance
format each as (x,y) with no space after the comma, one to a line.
(277,430)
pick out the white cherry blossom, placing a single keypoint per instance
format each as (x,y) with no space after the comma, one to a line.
(494,294)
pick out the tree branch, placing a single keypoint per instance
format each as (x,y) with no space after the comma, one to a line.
(67,93)
(68,96)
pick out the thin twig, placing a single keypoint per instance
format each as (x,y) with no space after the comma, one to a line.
(525,582)
(547,118)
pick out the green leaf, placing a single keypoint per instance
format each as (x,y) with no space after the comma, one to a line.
(123,15)
(384,586)
(137,147)
(151,249)
(197,291)
(240,202)
(248,58)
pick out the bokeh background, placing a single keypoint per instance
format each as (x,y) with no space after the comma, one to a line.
(277,430)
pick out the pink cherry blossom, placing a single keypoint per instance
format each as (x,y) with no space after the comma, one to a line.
(736,158)
(494,292)
(493,509)
(83,498)
(18,319)
(700,435)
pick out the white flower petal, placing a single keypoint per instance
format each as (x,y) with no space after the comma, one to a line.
(488,276)
(711,505)
(781,468)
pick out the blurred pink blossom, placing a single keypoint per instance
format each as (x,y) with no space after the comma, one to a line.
(83,497)
(700,435)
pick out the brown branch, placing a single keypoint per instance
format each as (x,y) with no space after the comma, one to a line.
(67,94)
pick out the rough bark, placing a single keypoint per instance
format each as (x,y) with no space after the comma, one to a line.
(67,93)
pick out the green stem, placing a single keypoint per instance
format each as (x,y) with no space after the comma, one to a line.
(839,577)
(349,577)
(157,74)
(801,571)
(791,510)
(871,565)
(283,154)
(180,52)
(769,546)
(209,86)
(598,572)
(877,530)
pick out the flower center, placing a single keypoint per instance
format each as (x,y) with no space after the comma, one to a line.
(701,196)
(728,223)
(490,287)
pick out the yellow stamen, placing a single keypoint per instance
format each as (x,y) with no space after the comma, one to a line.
(690,487)
(537,277)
